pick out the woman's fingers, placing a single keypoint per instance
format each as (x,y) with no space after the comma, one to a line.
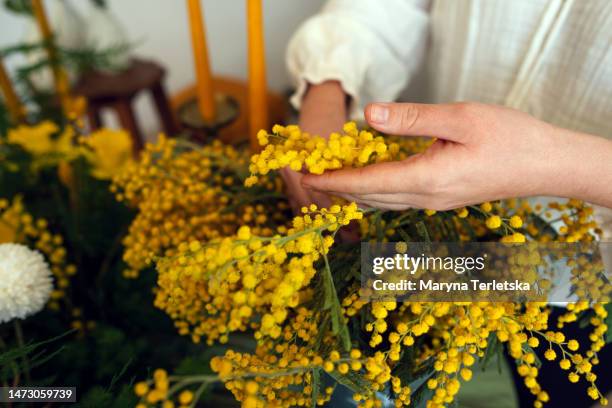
(446,121)
(378,178)
(322,200)
(394,198)
(382,201)
(298,195)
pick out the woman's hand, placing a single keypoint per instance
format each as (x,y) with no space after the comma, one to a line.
(323,112)
(483,153)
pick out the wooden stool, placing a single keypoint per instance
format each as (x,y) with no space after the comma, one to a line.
(117,91)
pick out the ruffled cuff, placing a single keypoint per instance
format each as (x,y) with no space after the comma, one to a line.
(322,49)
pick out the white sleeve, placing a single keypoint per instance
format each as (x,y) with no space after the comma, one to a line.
(371,47)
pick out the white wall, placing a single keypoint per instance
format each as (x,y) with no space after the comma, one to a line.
(160,28)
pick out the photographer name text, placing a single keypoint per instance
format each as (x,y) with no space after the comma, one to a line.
(406,285)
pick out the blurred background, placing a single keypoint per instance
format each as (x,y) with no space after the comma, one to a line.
(158,30)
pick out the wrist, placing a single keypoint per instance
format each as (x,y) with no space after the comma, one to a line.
(330,91)
(324,108)
(581,167)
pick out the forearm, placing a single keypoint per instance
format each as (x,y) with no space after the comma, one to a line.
(583,167)
(324,108)
(323,111)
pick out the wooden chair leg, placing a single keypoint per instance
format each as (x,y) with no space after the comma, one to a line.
(129,122)
(163,109)
(95,119)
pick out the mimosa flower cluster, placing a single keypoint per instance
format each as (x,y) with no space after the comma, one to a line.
(298,295)
(106,150)
(186,194)
(290,147)
(246,281)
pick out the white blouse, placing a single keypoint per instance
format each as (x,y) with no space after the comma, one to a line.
(552,59)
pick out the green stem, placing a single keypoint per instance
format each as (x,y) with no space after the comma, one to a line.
(14,366)
(21,344)
(107,263)
(197,394)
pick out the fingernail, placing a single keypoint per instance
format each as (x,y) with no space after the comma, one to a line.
(379,114)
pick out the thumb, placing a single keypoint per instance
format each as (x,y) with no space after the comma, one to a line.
(416,119)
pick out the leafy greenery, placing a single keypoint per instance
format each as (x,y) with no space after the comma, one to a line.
(119,334)
(18,359)
(18,6)
(41,103)
(24,7)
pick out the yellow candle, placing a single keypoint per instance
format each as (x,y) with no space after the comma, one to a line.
(59,75)
(12,101)
(258,109)
(206,97)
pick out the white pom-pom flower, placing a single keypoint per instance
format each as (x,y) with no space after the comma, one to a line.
(25,282)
